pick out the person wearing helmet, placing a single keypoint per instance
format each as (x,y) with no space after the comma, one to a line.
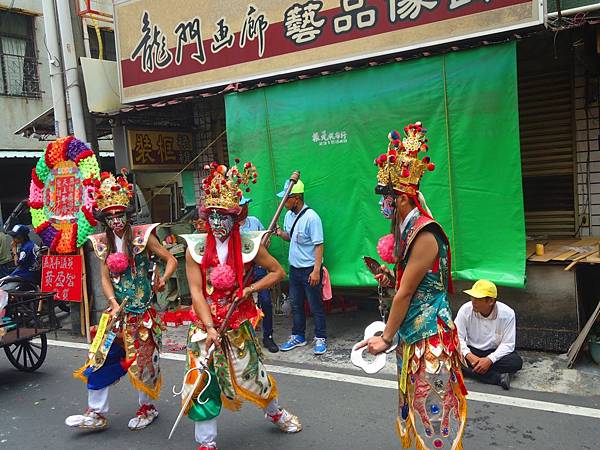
(24,254)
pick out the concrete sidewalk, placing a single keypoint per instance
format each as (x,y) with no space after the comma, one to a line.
(542,372)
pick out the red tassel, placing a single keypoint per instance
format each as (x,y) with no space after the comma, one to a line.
(126,363)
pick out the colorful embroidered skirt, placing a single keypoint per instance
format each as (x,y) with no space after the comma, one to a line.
(237,367)
(432,404)
(135,351)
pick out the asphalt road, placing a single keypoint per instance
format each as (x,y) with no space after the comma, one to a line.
(336,414)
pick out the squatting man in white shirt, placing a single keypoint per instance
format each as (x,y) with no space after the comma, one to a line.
(487,331)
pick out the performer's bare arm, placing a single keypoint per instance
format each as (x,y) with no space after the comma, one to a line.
(275,272)
(423,254)
(171,263)
(201,308)
(282,234)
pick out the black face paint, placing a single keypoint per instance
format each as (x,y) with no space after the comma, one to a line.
(116,222)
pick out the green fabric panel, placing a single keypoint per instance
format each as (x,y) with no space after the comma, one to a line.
(189,194)
(274,127)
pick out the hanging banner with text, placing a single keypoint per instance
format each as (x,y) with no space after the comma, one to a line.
(62,274)
(174,47)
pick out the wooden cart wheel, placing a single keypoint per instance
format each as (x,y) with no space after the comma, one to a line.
(27,355)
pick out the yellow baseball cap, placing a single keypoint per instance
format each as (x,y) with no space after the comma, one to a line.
(483,288)
(298,188)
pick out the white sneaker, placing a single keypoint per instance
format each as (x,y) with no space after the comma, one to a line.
(144,417)
(287,422)
(90,420)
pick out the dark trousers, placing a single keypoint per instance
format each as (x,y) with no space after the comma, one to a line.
(507,364)
(301,289)
(264,301)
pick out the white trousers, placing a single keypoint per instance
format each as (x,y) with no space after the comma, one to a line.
(98,399)
(206,431)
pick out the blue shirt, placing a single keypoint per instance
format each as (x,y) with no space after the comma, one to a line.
(307,234)
(252,224)
(25,262)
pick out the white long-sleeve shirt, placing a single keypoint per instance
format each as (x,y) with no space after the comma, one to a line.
(497,331)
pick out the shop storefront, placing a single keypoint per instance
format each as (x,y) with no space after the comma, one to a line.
(317,85)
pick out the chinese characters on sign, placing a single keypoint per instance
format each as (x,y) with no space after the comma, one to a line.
(151,149)
(166,48)
(63,193)
(62,274)
(325,137)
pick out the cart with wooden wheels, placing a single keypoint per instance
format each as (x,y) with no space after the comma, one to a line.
(27,318)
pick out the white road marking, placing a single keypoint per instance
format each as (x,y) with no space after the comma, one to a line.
(389,384)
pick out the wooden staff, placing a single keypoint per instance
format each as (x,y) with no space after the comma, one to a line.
(85,302)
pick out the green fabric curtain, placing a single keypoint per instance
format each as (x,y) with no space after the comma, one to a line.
(331,128)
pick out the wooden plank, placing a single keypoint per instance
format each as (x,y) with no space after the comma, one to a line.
(552,249)
(529,248)
(576,346)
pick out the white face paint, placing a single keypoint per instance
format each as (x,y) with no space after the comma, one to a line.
(220,224)
(116,222)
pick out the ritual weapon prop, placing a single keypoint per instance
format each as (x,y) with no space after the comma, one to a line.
(204,364)
(376,328)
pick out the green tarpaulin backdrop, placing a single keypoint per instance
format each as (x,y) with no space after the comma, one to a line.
(331,128)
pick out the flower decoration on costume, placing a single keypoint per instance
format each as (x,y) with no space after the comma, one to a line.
(385,248)
(400,167)
(110,193)
(222,277)
(223,187)
(59,199)
(117,263)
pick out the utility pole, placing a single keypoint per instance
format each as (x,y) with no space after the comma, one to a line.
(56,77)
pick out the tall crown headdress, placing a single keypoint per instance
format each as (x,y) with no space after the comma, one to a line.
(223,187)
(400,167)
(112,194)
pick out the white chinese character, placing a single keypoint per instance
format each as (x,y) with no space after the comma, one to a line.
(402,9)
(301,24)
(315,136)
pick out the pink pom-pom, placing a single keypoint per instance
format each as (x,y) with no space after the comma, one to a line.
(222,277)
(117,263)
(385,248)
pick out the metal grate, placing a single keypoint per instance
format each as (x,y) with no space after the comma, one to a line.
(19,76)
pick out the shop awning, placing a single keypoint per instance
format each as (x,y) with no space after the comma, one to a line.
(42,127)
(39,154)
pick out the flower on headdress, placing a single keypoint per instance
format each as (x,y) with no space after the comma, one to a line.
(385,248)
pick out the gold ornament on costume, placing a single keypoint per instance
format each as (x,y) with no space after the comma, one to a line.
(112,193)
(223,187)
(400,166)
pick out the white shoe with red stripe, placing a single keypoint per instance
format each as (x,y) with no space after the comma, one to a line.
(144,417)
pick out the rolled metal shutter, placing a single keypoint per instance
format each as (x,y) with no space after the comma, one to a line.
(546,112)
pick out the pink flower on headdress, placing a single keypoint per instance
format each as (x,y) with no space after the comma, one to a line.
(385,248)
(222,277)
(117,263)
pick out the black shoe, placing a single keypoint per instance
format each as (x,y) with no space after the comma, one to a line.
(270,344)
(505,381)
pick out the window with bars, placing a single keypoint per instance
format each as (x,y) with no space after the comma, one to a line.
(109,51)
(18,59)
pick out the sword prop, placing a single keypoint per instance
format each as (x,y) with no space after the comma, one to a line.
(223,328)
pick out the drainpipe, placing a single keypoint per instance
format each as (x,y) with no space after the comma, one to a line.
(71,69)
(573,11)
(61,123)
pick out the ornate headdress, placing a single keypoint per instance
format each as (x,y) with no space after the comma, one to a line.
(400,168)
(223,187)
(112,194)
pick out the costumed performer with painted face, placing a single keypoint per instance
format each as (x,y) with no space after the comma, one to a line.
(216,264)
(132,345)
(432,403)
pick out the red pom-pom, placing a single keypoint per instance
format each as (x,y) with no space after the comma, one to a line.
(117,263)
(104,175)
(431,166)
(392,159)
(385,248)
(222,277)
(405,173)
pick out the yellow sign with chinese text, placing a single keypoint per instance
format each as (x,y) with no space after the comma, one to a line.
(159,150)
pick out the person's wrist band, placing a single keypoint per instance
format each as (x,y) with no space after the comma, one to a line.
(209,325)
(387,342)
(112,298)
